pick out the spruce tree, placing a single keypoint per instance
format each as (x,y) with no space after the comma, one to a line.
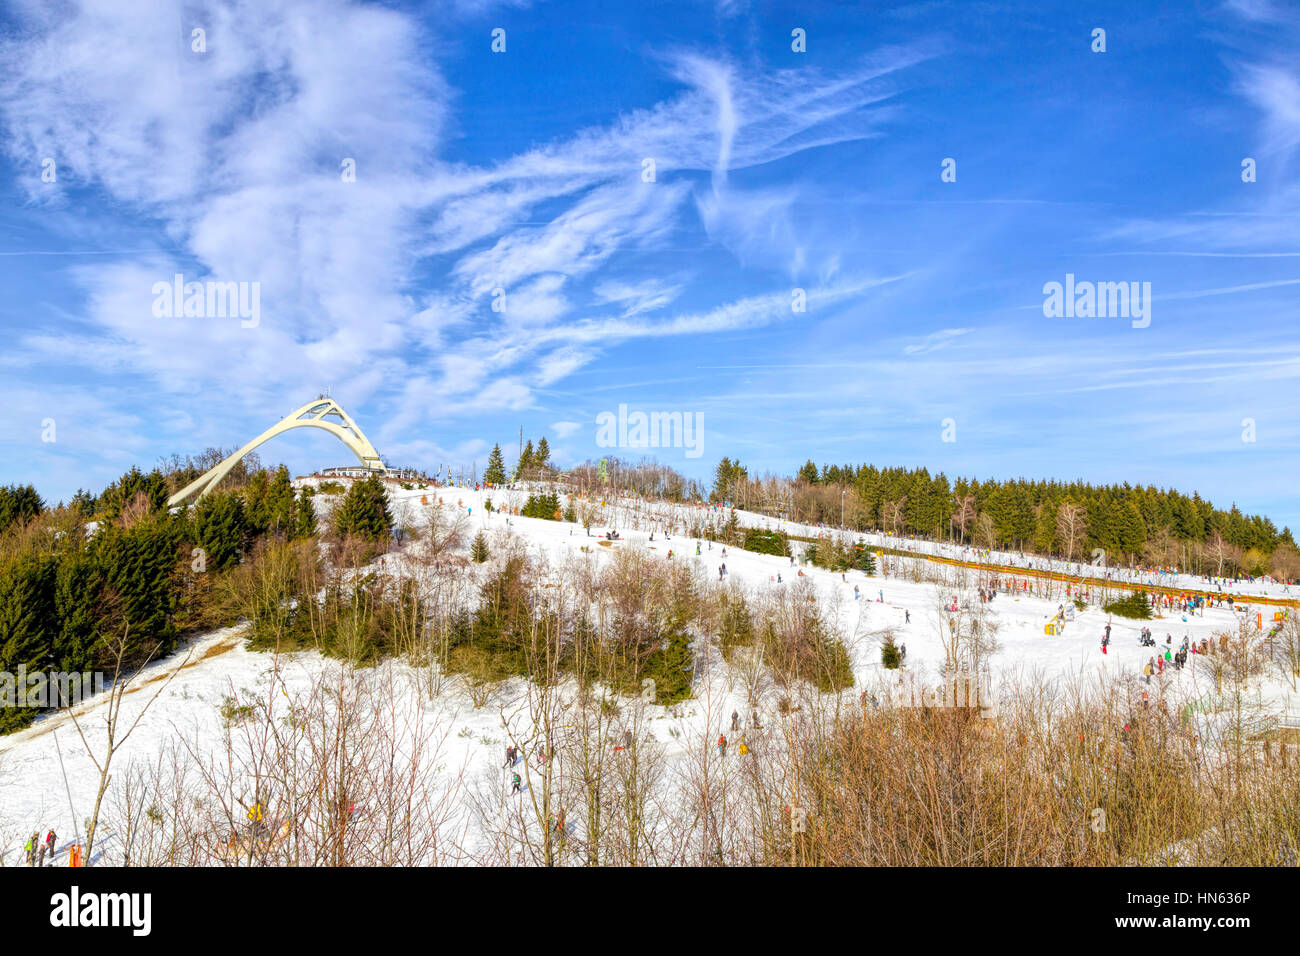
(26,618)
(863,559)
(82,504)
(671,666)
(364,511)
(279,502)
(525,461)
(304,515)
(78,608)
(256,504)
(18,504)
(496,467)
(479,548)
(121,493)
(890,658)
(138,563)
(219,526)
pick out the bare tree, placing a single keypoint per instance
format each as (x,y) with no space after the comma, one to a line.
(963,514)
(114,736)
(1221,552)
(1285,647)
(1071,526)
(892,513)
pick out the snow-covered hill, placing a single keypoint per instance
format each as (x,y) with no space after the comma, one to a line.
(215,672)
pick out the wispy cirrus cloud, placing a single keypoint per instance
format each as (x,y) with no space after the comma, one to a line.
(934,341)
(236,153)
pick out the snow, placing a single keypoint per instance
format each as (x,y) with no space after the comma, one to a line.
(196,680)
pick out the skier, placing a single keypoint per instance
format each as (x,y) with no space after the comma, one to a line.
(856,595)
(722,745)
(902,653)
(31,848)
(510,756)
(51,839)
(735,720)
(516,785)
(907,616)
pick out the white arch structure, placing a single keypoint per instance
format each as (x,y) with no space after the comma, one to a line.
(311,415)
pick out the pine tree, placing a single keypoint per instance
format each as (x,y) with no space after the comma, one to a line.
(479,548)
(728,479)
(279,502)
(542,459)
(256,504)
(26,617)
(731,530)
(125,491)
(82,504)
(219,526)
(304,517)
(496,467)
(890,658)
(863,559)
(18,504)
(138,564)
(1131,529)
(78,607)
(364,511)
(671,666)
(525,464)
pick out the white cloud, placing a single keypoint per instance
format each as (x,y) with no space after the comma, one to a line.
(381,287)
(648,295)
(934,341)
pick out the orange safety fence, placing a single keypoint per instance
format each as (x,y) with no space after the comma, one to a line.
(1003,570)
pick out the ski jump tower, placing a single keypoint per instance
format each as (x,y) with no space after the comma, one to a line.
(321,413)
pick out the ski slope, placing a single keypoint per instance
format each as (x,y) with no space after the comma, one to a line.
(35,763)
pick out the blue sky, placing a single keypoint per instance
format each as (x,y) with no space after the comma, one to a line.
(774,170)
